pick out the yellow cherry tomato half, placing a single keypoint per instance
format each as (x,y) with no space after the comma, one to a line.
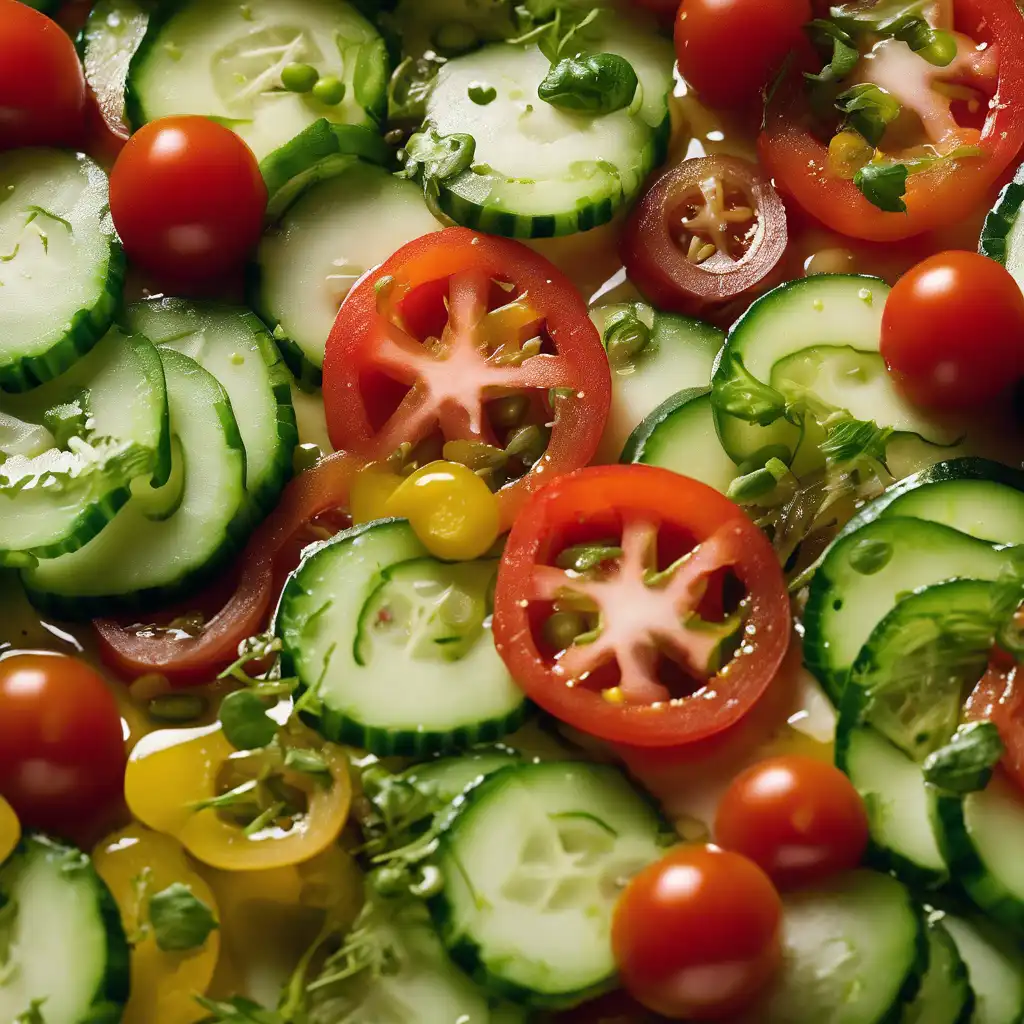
(371,488)
(164,985)
(10,830)
(452,510)
(172,771)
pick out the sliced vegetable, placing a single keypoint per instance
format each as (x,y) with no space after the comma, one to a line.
(1002,236)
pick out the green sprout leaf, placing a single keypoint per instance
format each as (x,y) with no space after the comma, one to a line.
(180,920)
(869,110)
(884,186)
(965,764)
(244,719)
(597,84)
(747,398)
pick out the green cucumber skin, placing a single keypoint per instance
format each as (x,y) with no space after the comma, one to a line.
(634,448)
(967,868)
(1001,219)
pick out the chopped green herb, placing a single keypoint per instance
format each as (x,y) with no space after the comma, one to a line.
(598,84)
(869,110)
(244,719)
(965,764)
(883,185)
(482,94)
(180,920)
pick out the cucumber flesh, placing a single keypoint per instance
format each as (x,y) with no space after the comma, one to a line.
(62,266)
(65,947)
(995,967)
(138,561)
(450,777)
(223,59)
(679,354)
(110,414)
(533,863)
(945,996)
(333,234)
(397,645)
(233,345)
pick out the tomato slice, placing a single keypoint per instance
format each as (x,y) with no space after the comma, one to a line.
(643,676)
(944,194)
(452,323)
(709,231)
(999,698)
(133,650)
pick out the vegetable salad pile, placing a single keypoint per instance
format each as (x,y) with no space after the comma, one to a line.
(511,511)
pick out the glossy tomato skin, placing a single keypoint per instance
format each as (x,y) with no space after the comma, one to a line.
(953,331)
(697,935)
(728,50)
(187,199)
(62,756)
(42,86)
(799,818)
(999,698)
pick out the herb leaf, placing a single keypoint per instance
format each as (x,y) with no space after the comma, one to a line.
(33,1015)
(845,54)
(238,1010)
(180,920)
(747,398)
(884,186)
(966,762)
(869,110)
(597,84)
(244,719)
(309,762)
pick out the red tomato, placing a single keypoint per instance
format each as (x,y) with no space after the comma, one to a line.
(798,818)
(42,87)
(643,679)
(187,198)
(62,755)
(728,50)
(696,935)
(268,555)
(953,331)
(797,159)
(999,698)
(682,213)
(423,344)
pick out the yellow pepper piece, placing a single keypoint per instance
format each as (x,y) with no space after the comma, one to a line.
(172,770)
(371,488)
(452,510)
(164,985)
(10,830)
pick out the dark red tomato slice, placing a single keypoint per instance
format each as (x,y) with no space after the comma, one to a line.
(453,322)
(42,87)
(798,159)
(707,232)
(644,671)
(999,698)
(62,754)
(697,934)
(133,650)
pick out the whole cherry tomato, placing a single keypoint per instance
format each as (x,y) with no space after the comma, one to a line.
(800,819)
(187,198)
(696,935)
(953,331)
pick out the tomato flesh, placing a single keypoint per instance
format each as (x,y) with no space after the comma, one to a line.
(697,935)
(187,198)
(799,818)
(999,698)
(62,755)
(42,86)
(953,331)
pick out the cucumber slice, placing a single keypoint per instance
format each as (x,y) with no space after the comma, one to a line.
(995,967)
(945,996)
(112,34)
(110,412)
(61,268)
(854,952)
(138,562)
(224,59)
(236,348)
(850,592)
(679,354)
(1002,235)
(533,863)
(467,23)
(540,171)
(680,435)
(450,777)
(65,948)
(337,231)
(396,645)
(981,835)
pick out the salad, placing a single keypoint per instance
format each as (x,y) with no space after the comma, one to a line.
(511,511)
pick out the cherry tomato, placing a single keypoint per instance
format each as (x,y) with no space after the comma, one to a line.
(62,756)
(953,331)
(709,231)
(436,342)
(799,818)
(697,935)
(187,198)
(42,87)
(728,50)
(643,675)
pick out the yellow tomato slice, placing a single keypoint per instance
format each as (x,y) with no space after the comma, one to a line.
(10,830)
(173,770)
(163,985)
